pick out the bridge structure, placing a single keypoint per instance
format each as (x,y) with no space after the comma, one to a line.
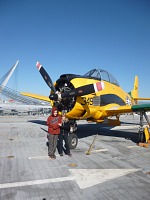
(15,95)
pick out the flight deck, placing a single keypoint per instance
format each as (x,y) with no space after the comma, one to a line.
(116,168)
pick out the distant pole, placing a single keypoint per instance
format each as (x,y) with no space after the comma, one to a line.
(7,76)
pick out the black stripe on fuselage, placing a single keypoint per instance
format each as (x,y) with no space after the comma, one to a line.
(109,99)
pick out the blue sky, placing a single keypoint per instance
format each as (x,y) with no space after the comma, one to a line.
(74,36)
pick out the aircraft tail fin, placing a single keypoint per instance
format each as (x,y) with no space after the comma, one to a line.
(134,92)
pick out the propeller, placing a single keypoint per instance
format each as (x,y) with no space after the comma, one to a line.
(46,77)
(80,91)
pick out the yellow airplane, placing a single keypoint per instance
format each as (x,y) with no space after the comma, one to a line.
(95,97)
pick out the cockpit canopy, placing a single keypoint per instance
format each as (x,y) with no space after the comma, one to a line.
(101,74)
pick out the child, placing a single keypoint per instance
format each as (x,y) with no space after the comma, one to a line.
(64,133)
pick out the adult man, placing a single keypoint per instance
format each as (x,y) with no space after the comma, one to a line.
(54,122)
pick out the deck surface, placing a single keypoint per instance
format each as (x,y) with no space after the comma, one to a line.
(116,169)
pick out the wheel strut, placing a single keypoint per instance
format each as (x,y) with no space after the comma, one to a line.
(144,135)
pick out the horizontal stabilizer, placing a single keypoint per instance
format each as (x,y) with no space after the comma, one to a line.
(140,107)
(127,109)
(141,98)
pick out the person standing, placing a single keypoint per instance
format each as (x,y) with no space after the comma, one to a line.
(64,133)
(54,122)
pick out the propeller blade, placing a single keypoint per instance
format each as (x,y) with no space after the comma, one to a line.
(45,76)
(80,91)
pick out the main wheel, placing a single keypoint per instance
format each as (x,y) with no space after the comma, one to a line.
(142,137)
(73,140)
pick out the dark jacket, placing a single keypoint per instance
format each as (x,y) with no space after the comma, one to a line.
(65,128)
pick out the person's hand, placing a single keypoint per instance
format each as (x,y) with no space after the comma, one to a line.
(71,129)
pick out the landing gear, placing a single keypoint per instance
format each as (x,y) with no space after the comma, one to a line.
(73,140)
(144,135)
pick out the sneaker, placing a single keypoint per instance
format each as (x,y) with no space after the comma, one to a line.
(61,154)
(52,157)
(69,154)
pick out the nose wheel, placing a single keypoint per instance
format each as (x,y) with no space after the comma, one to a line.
(73,140)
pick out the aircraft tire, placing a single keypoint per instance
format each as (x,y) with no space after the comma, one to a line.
(73,140)
(142,137)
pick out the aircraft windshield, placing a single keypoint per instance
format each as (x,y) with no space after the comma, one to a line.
(101,75)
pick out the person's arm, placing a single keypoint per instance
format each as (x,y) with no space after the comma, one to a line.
(60,121)
(48,122)
(66,126)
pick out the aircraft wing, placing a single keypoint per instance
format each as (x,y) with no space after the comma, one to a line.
(127,109)
(36,96)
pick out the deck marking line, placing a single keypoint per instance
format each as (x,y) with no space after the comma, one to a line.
(35,182)
(37,157)
(130,147)
(84,177)
(99,150)
(89,177)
